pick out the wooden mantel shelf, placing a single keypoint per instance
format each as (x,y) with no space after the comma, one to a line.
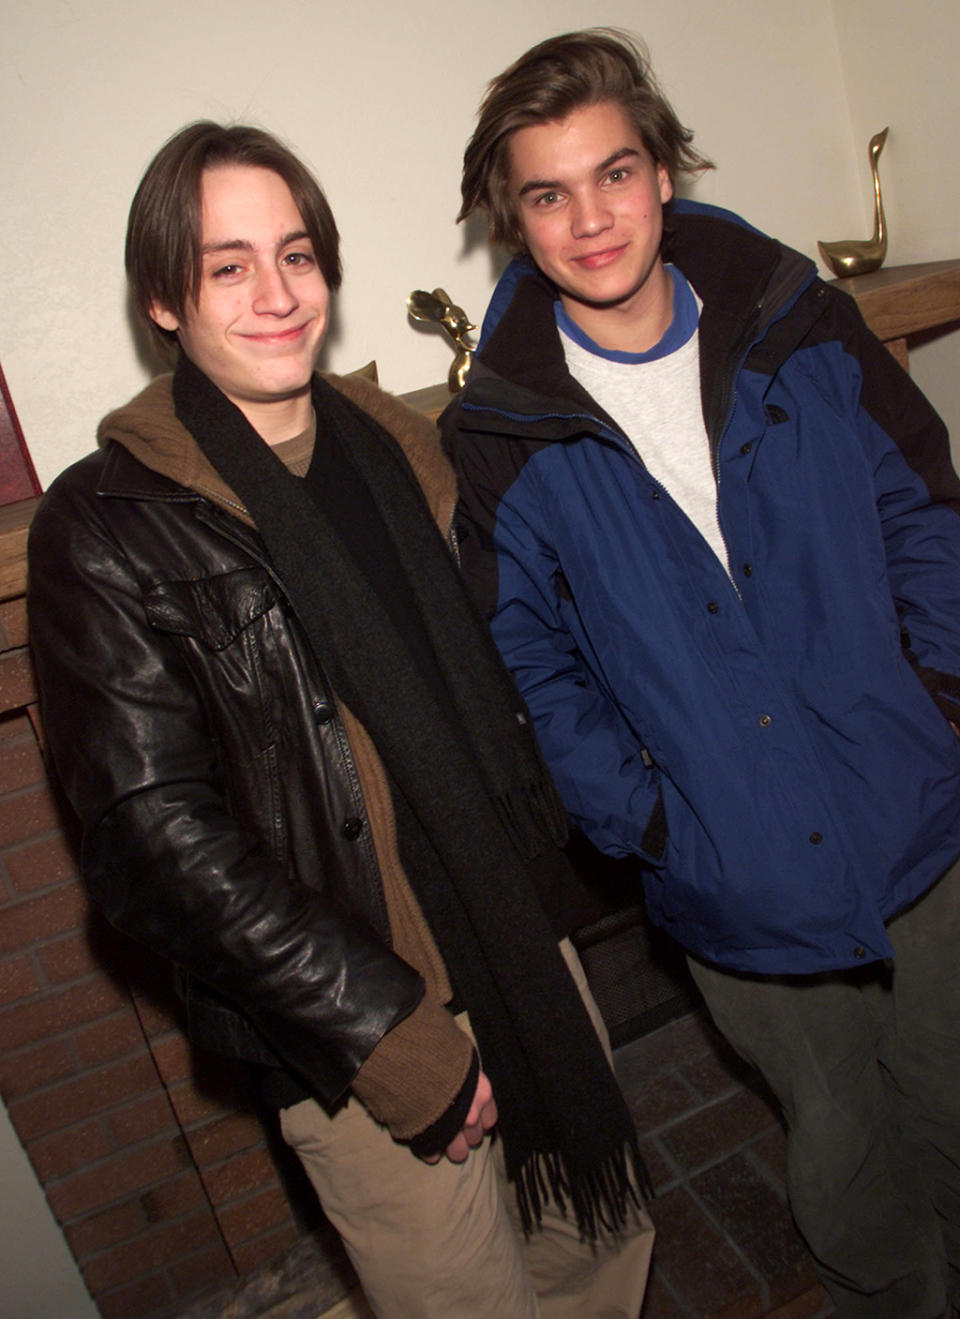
(897,301)
(14,525)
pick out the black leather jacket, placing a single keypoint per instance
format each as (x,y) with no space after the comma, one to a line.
(197,740)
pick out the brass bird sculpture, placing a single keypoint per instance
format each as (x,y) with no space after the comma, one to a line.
(857,257)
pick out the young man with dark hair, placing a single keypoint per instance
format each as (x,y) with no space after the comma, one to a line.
(305,776)
(715,528)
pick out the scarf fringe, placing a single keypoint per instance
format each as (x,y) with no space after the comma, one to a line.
(601,1199)
(531,814)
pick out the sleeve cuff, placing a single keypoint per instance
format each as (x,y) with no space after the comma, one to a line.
(417,1071)
(439,1134)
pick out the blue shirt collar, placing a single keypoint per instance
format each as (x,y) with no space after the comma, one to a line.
(686,314)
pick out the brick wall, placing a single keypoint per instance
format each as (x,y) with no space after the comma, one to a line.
(152,1160)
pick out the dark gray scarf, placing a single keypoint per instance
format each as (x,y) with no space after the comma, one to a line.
(478,818)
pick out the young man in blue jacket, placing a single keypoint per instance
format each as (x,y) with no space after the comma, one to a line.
(715,529)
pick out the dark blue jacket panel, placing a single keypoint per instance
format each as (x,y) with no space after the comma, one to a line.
(774,746)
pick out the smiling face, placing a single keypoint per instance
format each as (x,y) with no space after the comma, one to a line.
(588,199)
(261,313)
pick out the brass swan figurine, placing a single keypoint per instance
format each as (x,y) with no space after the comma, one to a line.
(850,256)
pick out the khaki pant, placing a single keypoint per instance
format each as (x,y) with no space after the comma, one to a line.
(444,1241)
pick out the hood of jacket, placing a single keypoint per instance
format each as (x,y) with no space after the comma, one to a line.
(149,429)
(745,280)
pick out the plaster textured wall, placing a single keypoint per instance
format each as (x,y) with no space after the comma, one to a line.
(380,99)
(34,1241)
(898,63)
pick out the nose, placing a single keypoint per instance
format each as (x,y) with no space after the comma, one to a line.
(591,215)
(274,294)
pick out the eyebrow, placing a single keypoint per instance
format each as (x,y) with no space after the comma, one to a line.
(536,185)
(242,245)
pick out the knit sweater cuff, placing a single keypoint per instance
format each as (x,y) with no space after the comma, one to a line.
(439,1134)
(417,1072)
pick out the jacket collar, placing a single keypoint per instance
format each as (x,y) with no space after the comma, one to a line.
(744,279)
(125,477)
(170,465)
(147,429)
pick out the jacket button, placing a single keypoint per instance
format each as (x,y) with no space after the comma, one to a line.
(351,828)
(765,721)
(859,953)
(656,494)
(713,607)
(323,712)
(816,838)
(747,570)
(745,448)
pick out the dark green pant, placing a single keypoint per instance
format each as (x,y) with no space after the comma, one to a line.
(866,1067)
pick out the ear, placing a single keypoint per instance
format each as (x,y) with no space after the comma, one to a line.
(666,185)
(163,317)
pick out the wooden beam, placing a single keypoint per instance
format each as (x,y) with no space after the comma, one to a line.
(899,300)
(14,525)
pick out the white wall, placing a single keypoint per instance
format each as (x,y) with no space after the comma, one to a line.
(899,63)
(39,1277)
(379,98)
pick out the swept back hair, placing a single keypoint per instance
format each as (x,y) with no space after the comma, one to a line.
(549,82)
(164,243)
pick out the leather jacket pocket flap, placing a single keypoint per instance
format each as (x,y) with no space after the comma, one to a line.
(215,610)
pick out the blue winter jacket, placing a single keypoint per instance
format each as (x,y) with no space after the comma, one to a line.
(776,747)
